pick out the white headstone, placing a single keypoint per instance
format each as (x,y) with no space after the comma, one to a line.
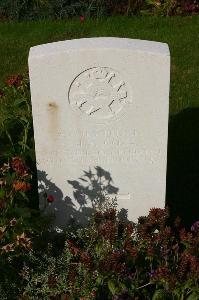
(100,113)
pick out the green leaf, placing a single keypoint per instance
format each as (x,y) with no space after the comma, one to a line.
(23,118)
(22,212)
(98,249)
(18,102)
(7,117)
(24,195)
(24,145)
(193,296)
(99,280)
(159,295)
(122,286)
(2,193)
(112,287)
(150,2)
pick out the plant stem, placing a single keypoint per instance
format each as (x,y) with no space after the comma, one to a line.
(142,286)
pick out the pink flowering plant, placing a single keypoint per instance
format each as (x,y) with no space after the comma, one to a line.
(117,259)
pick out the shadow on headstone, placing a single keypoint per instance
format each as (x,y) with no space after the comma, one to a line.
(183,166)
(92,185)
(88,192)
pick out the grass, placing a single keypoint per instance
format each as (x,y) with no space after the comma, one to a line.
(181,34)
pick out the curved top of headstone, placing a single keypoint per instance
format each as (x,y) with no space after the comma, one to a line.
(136,45)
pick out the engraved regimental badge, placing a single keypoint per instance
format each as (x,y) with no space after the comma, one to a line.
(99,92)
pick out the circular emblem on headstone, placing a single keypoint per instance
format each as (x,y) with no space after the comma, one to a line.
(99,92)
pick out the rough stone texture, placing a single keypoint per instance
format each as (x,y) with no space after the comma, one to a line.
(100,113)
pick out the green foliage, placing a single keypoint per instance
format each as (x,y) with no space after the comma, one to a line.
(21,224)
(45,275)
(60,9)
(161,8)
(117,259)
(16,133)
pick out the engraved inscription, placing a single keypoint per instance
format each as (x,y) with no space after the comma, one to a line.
(116,146)
(99,92)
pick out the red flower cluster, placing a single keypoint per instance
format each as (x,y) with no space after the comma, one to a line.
(162,273)
(195,227)
(72,273)
(189,266)
(24,241)
(185,236)
(153,224)
(109,214)
(114,262)
(162,236)
(108,230)
(8,248)
(129,228)
(13,222)
(52,281)
(98,217)
(82,18)
(191,6)
(132,250)
(157,216)
(86,259)
(73,249)
(21,186)
(150,251)
(50,198)
(15,80)
(19,166)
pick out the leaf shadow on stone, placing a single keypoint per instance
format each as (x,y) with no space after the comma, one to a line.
(182,196)
(92,185)
(88,191)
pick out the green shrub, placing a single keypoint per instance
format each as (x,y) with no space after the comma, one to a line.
(60,9)
(21,224)
(16,132)
(116,259)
